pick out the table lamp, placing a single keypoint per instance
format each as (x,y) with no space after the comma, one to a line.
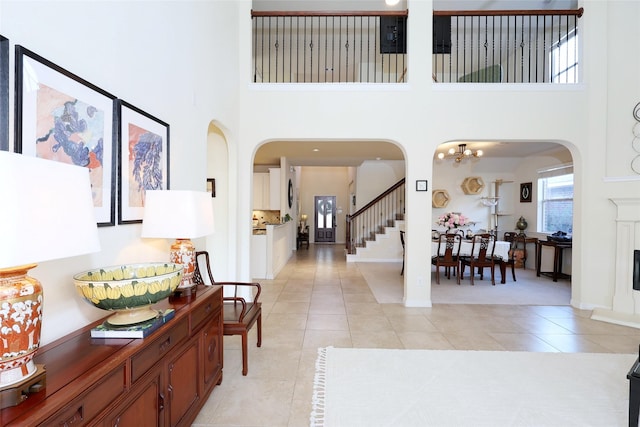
(47,213)
(181,215)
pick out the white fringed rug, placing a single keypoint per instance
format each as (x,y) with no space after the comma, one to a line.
(378,387)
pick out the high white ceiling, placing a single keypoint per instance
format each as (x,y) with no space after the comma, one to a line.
(308,5)
(350,153)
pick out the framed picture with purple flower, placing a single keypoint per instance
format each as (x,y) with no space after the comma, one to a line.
(143,159)
(64,118)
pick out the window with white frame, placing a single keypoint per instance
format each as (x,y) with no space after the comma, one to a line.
(564,59)
(555,199)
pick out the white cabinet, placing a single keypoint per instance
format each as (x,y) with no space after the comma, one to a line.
(274,189)
(259,256)
(266,190)
(261,191)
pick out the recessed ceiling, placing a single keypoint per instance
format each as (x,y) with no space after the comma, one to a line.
(326,153)
(353,153)
(503,149)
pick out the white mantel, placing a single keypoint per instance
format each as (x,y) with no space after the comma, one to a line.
(626,301)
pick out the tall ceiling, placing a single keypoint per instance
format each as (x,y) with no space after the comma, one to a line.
(353,153)
(307,5)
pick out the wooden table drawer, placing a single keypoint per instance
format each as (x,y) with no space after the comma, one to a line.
(90,404)
(146,358)
(203,312)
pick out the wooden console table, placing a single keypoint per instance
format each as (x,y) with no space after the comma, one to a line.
(161,380)
(558,248)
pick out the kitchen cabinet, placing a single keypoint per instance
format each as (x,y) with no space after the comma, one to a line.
(274,189)
(266,190)
(161,380)
(261,191)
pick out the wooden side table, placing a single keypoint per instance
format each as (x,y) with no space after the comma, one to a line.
(303,237)
(558,248)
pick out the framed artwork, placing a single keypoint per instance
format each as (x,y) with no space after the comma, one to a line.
(144,160)
(4,93)
(211,186)
(62,117)
(421,185)
(525,192)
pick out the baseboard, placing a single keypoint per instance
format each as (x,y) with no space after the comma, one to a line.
(624,319)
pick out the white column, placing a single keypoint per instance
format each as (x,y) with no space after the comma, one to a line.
(625,308)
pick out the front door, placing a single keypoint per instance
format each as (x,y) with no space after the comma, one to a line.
(325,219)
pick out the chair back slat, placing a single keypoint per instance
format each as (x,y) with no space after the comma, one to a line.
(451,244)
(485,245)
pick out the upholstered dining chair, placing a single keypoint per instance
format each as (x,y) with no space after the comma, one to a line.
(448,256)
(241,310)
(481,257)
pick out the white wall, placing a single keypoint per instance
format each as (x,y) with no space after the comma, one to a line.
(154,56)
(188,63)
(373,177)
(325,181)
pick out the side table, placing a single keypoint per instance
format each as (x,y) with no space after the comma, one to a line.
(303,237)
(558,248)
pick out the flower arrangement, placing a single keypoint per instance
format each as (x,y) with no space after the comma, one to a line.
(452,220)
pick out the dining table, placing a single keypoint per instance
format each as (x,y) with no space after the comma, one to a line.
(501,250)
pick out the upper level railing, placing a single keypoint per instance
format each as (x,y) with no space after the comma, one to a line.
(329,47)
(508,46)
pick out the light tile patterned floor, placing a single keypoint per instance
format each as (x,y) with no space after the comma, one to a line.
(320,300)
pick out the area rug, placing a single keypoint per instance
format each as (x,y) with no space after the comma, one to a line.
(382,387)
(387,286)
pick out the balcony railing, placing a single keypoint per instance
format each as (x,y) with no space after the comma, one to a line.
(507,46)
(329,47)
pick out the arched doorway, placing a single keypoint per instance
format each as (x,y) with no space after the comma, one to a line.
(335,168)
(218,170)
(495,202)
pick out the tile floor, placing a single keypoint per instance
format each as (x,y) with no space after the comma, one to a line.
(320,300)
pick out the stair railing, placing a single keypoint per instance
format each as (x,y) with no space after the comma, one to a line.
(381,212)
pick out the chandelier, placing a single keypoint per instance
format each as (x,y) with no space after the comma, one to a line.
(462,153)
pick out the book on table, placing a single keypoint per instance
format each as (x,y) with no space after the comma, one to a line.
(138,330)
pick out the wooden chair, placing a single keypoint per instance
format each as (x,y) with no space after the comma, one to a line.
(481,257)
(240,311)
(402,242)
(515,239)
(448,256)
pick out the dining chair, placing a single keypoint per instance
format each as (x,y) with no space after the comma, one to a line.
(515,239)
(481,257)
(448,256)
(402,242)
(240,310)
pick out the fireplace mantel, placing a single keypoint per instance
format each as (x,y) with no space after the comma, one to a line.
(625,308)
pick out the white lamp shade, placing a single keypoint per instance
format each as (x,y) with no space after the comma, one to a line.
(47,210)
(177,214)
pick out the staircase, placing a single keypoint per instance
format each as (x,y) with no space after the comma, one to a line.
(373,232)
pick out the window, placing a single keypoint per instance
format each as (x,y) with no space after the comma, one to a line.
(555,200)
(564,59)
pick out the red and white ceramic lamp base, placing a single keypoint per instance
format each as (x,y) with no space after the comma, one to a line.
(20,324)
(183,252)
